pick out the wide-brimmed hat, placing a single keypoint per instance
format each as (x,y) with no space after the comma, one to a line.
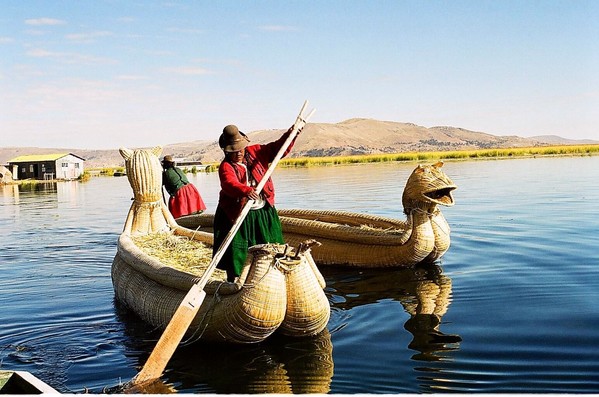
(168,159)
(232,140)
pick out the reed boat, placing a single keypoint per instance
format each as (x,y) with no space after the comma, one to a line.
(23,382)
(280,288)
(370,241)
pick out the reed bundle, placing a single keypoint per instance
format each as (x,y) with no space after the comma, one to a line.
(179,252)
(388,230)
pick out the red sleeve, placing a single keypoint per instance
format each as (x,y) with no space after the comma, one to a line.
(270,150)
(229,182)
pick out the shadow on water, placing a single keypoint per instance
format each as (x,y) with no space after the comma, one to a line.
(424,292)
(278,365)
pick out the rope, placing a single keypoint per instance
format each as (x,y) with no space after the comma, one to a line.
(284,267)
(193,338)
(430,216)
(255,284)
(140,203)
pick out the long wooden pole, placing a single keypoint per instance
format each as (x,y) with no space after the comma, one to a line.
(187,310)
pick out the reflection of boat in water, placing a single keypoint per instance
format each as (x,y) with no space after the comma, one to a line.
(368,241)
(279,365)
(433,294)
(278,290)
(424,292)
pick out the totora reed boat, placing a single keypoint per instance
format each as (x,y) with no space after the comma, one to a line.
(23,382)
(370,241)
(280,288)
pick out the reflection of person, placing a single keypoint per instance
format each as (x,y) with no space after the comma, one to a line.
(240,172)
(184,197)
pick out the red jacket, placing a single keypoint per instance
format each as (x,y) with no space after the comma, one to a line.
(234,190)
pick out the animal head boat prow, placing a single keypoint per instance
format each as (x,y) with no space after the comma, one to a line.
(144,172)
(427,186)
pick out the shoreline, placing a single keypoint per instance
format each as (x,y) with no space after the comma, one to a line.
(457,155)
(407,157)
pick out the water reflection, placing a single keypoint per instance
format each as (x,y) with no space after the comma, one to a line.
(424,292)
(38,187)
(432,292)
(279,365)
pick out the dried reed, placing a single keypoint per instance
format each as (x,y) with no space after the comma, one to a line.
(178,252)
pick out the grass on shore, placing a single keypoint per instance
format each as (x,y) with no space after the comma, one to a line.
(564,150)
(578,150)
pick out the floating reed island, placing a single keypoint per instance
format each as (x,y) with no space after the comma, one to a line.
(157,262)
(361,240)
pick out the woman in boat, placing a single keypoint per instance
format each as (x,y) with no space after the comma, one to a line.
(184,197)
(240,172)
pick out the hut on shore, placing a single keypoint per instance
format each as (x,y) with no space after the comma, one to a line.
(47,166)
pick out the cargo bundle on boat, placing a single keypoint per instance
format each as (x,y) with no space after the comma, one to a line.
(280,288)
(364,240)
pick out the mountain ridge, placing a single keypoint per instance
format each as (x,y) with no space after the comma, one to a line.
(349,137)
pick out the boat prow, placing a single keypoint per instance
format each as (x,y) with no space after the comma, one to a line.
(22,382)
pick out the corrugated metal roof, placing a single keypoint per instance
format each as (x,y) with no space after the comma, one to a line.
(38,157)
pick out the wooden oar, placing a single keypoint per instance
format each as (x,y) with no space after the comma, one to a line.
(187,310)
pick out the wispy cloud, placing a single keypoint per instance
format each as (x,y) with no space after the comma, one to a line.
(187,70)
(88,37)
(159,53)
(39,53)
(44,21)
(6,40)
(184,30)
(35,32)
(277,28)
(125,19)
(131,77)
(69,57)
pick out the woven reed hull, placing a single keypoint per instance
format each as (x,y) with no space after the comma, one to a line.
(358,240)
(154,294)
(308,309)
(154,291)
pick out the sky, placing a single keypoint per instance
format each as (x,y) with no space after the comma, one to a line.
(103,74)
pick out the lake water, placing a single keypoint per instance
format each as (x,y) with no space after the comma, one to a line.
(511,307)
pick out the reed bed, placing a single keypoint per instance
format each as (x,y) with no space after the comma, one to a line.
(178,252)
(562,150)
(559,150)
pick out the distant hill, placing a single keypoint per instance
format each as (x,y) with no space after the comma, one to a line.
(349,137)
(558,140)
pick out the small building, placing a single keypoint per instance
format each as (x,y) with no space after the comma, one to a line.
(182,163)
(47,166)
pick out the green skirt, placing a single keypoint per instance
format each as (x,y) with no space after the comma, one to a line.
(259,227)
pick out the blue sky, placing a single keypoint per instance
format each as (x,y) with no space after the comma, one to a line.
(105,73)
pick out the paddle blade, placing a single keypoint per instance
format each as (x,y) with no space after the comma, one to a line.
(172,335)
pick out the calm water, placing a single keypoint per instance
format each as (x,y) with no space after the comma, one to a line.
(512,306)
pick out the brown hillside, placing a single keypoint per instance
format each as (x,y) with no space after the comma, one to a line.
(349,137)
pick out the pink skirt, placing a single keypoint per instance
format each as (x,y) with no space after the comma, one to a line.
(186,201)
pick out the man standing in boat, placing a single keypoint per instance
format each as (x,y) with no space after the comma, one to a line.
(240,172)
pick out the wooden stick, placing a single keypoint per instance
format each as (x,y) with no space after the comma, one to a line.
(187,310)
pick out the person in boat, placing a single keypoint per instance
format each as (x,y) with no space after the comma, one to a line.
(240,172)
(184,198)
